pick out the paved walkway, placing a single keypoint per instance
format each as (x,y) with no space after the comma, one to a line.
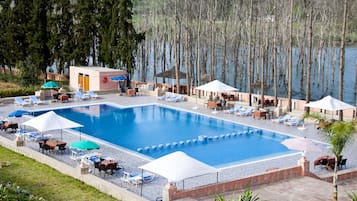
(132,160)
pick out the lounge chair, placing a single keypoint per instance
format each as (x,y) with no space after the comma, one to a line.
(35,100)
(294,122)
(282,119)
(236,108)
(81,96)
(177,98)
(246,112)
(21,102)
(92,95)
(166,96)
(136,178)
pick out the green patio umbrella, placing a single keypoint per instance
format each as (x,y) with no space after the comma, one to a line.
(84,145)
(50,85)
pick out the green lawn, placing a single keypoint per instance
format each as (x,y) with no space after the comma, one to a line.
(44,181)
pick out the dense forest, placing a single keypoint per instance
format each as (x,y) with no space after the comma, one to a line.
(251,43)
(40,33)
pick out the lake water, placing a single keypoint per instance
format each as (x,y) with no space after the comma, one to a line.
(316,87)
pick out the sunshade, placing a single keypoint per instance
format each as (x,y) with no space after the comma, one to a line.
(216,86)
(51,121)
(50,85)
(118,78)
(171,73)
(18,113)
(329,103)
(302,144)
(84,145)
(178,166)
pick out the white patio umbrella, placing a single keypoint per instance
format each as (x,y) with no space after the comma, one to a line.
(51,121)
(303,144)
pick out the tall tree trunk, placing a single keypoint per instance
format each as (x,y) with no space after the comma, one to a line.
(198,68)
(308,70)
(342,63)
(275,69)
(249,69)
(290,80)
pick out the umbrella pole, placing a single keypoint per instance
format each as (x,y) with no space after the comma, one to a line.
(142,177)
(61,135)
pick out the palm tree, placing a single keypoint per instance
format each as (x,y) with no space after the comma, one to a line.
(246,196)
(353,196)
(339,134)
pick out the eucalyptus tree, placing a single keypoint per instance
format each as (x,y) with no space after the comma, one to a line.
(61,27)
(308,70)
(342,56)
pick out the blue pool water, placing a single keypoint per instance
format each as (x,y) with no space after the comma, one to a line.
(156,131)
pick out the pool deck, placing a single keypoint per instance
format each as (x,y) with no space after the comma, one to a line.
(151,191)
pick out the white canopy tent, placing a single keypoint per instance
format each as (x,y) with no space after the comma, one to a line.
(50,121)
(178,166)
(329,103)
(216,86)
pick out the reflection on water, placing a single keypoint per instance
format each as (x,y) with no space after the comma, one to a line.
(321,82)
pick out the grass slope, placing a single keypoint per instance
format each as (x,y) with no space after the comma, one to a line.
(44,181)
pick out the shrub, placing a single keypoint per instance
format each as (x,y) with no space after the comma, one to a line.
(18,91)
(10,191)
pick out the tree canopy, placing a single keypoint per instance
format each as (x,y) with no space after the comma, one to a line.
(36,34)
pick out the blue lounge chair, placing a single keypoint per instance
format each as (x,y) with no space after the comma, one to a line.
(177,98)
(92,95)
(81,96)
(246,112)
(35,100)
(237,108)
(282,119)
(294,122)
(136,178)
(21,102)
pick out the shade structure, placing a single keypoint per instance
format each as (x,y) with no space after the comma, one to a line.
(118,78)
(50,121)
(178,166)
(50,85)
(171,73)
(18,113)
(303,144)
(216,86)
(329,103)
(84,145)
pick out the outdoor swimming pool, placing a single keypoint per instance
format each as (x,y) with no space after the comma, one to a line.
(155,131)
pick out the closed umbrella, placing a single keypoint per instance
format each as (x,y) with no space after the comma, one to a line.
(84,145)
(18,113)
